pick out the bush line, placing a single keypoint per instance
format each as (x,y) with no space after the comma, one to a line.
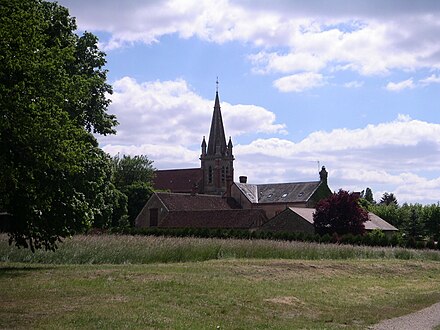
(373,238)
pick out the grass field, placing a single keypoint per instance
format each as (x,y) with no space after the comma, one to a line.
(117,249)
(234,290)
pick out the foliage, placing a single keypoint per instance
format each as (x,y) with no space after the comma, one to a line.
(388,199)
(368,195)
(366,205)
(340,213)
(138,194)
(414,220)
(155,247)
(133,176)
(53,176)
(130,170)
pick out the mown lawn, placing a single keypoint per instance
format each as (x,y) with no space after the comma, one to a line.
(228,283)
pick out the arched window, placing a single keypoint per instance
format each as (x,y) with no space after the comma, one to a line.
(223,174)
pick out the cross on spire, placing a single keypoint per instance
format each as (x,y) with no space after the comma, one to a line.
(216,82)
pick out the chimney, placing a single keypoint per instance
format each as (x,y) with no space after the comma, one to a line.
(323,175)
(243,179)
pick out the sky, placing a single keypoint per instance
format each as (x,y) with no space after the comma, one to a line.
(350,85)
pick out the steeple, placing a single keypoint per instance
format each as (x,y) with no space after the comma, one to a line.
(217,140)
(217,159)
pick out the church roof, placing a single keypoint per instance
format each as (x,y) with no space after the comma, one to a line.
(179,181)
(279,192)
(237,219)
(217,137)
(188,202)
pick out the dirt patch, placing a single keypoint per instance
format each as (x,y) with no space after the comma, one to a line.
(291,301)
(117,298)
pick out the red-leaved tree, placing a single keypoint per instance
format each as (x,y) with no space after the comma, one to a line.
(340,213)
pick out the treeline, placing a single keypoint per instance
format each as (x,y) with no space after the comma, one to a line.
(421,222)
(372,238)
(416,221)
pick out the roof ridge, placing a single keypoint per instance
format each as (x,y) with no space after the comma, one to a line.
(279,183)
(179,169)
(164,204)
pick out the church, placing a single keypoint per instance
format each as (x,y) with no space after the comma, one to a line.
(208,196)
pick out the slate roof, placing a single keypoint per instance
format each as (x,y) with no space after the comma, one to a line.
(179,181)
(217,137)
(374,222)
(279,192)
(305,213)
(234,219)
(188,202)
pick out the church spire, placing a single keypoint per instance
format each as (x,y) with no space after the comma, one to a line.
(217,159)
(217,139)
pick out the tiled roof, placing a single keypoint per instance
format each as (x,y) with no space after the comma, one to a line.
(374,222)
(180,181)
(188,202)
(237,219)
(279,192)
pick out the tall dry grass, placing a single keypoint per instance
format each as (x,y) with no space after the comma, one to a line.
(120,249)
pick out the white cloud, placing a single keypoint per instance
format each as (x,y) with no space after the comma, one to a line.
(164,156)
(287,63)
(397,87)
(299,82)
(169,113)
(432,79)
(365,37)
(398,156)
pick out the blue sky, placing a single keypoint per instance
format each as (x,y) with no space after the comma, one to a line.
(352,84)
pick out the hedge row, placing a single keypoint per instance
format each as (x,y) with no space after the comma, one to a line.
(373,238)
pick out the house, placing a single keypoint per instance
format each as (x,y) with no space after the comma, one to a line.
(273,198)
(176,210)
(300,220)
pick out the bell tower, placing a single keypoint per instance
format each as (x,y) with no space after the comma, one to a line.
(217,160)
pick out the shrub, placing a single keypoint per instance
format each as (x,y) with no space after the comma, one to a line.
(430,244)
(396,240)
(411,242)
(340,213)
(326,238)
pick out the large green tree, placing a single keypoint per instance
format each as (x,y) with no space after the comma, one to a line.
(53,96)
(133,176)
